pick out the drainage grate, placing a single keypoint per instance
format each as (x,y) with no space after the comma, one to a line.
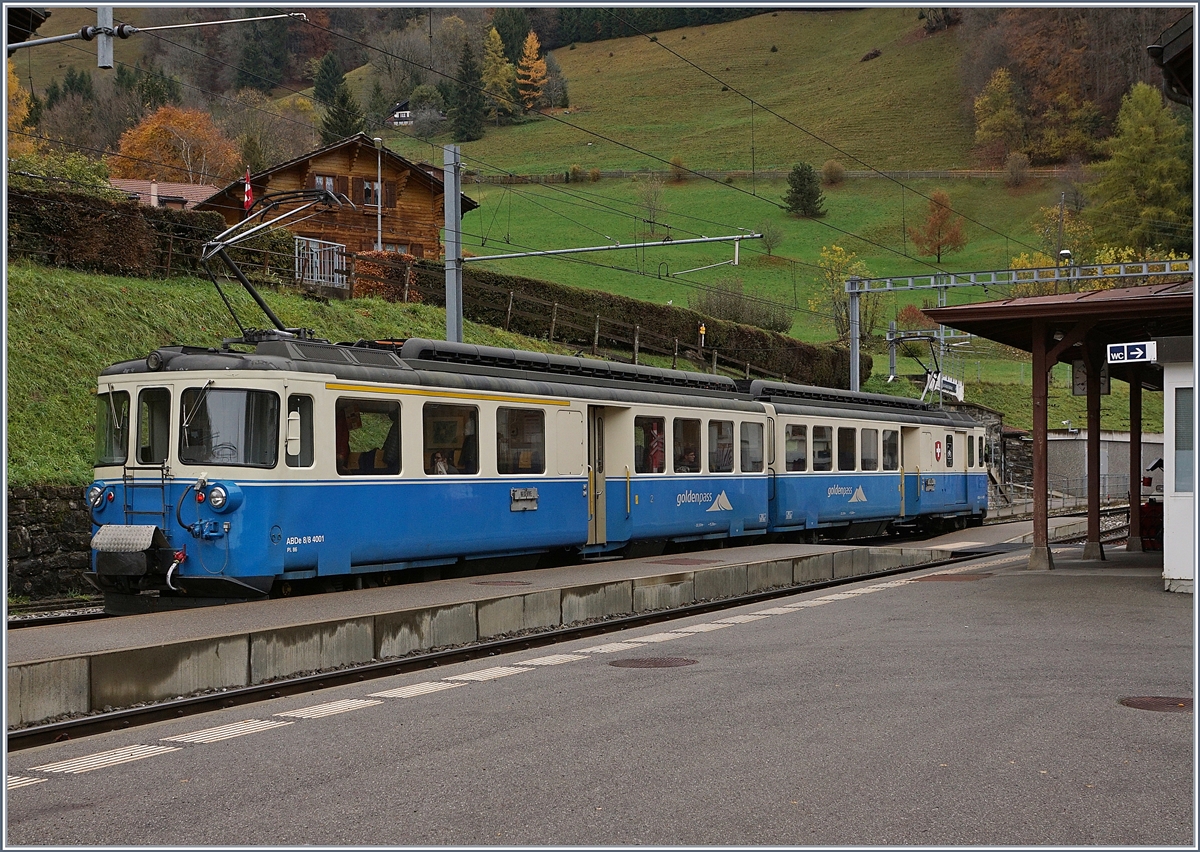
(652,662)
(1159,703)
(501,583)
(950,577)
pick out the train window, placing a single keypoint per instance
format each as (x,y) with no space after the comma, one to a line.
(846,453)
(796,447)
(822,448)
(649,445)
(687,446)
(228,426)
(980,456)
(302,405)
(720,446)
(970,451)
(520,441)
(949,451)
(752,447)
(451,438)
(367,437)
(891,449)
(869,450)
(154,425)
(112,428)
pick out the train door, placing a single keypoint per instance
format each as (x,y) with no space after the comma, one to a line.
(912,453)
(597,490)
(959,464)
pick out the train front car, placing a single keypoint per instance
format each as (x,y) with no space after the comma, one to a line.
(185,498)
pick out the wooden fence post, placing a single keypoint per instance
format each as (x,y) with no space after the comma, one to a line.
(170,246)
(637,329)
(553,320)
(508,316)
(596,337)
(714,362)
(407,279)
(675,357)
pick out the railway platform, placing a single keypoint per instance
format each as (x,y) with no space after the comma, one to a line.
(58,671)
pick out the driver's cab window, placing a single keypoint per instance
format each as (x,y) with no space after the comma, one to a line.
(154,425)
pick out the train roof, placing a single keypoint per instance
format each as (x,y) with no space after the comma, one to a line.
(429,363)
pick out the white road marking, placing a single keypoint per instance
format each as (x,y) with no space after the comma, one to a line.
(742,619)
(702,628)
(415,689)
(490,674)
(228,732)
(779,610)
(661,637)
(611,647)
(803,604)
(103,759)
(555,659)
(318,711)
(15,781)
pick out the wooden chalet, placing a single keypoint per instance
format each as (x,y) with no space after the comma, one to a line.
(409,222)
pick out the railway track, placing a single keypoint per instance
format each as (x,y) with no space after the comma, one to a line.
(99,723)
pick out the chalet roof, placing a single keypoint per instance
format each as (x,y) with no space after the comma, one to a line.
(189,193)
(361,139)
(22,23)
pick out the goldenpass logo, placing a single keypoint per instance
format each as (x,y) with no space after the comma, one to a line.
(693,497)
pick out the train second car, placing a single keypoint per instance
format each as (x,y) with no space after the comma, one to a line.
(230,475)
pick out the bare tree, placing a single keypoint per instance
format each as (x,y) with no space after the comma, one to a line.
(650,191)
(772,236)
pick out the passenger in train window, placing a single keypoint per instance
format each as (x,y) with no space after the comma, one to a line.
(649,445)
(686,440)
(439,465)
(686,463)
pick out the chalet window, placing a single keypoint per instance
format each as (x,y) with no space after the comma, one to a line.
(371,192)
(324,182)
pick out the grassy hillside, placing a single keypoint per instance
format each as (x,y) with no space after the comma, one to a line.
(521,218)
(902,110)
(64,327)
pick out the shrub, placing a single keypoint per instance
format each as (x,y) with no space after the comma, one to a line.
(678,173)
(577,172)
(384,278)
(726,300)
(594,175)
(1016,169)
(832,173)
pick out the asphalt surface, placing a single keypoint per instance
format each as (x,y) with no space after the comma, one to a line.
(977,708)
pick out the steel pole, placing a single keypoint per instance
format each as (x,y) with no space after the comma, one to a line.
(452,189)
(852,292)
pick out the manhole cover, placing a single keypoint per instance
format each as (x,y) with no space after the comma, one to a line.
(502,583)
(951,577)
(652,662)
(1159,703)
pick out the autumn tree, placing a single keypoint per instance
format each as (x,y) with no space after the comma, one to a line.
(531,72)
(999,126)
(18,112)
(499,76)
(1144,190)
(804,196)
(469,109)
(650,196)
(831,302)
(173,144)
(942,231)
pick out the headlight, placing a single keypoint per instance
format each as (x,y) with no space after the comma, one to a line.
(217,497)
(94,495)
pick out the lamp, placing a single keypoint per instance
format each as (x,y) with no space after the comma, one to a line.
(378,194)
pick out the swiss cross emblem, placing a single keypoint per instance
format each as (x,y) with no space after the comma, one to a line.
(937,450)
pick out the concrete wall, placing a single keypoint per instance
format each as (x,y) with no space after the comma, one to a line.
(41,690)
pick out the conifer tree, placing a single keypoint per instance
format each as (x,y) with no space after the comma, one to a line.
(531,72)
(469,109)
(804,196)
(499,76)
(343,118)
(328,77)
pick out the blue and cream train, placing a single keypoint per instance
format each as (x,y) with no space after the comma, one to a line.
(224,474)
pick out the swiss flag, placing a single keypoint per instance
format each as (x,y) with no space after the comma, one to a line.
(249,199)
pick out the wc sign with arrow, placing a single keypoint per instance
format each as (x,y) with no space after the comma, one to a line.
(1133,353)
